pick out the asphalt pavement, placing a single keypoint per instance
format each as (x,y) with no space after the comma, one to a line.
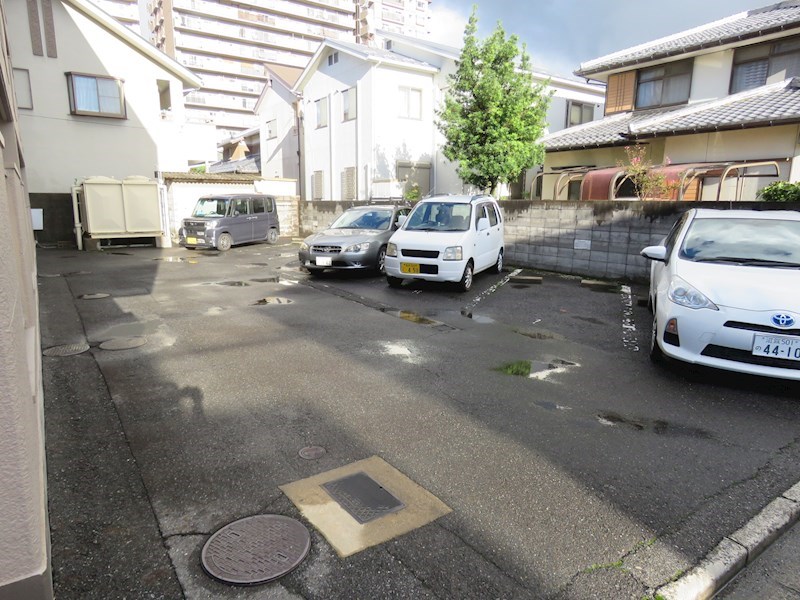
(205,374)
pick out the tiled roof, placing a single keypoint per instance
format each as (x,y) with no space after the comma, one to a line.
(173,176)
(784,16)
(772,104)
(250,164)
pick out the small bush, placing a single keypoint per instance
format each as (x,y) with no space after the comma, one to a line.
(521,368)
(780,191)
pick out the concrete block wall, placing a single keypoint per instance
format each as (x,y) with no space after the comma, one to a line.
(596,239)
(317,215)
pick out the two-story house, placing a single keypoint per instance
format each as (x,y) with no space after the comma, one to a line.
(95,99)
(364,120)
(718,107)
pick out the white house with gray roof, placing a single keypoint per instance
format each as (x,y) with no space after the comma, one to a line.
(366,120)
(718,106)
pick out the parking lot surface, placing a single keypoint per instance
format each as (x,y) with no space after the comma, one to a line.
(594,475)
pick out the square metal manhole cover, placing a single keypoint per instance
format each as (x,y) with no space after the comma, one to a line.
(362,497)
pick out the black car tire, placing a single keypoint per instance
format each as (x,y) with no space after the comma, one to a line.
(315,272)
(498,266)
(466,279)
(224,242)
(190,247)
(394,282)
(380,261)
(272,236)
(656,354)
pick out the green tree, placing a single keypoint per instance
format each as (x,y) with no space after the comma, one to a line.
(493,113)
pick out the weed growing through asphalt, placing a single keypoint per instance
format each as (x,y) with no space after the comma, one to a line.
(520,368)
(614,565)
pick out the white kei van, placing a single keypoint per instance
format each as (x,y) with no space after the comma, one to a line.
(447,238)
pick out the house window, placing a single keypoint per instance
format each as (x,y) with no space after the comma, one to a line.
(410,103)
(349,104)
(664,85)
(164,97)
(754,65)
(322,112)
(22,88)
(93,95)
(579,113)
(271,129)
(333,58)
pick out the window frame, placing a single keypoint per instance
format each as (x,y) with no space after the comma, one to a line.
(22,86)
(73,101)
(405,102)
(349,104)
(583,106)
(688,62)
(770,54)
(271,130)
(322,115)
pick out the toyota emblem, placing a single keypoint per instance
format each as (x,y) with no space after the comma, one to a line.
(782,320)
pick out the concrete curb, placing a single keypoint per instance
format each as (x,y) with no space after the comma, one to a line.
(737,550)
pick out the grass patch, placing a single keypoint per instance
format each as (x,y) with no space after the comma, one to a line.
(520,368)
(614,565)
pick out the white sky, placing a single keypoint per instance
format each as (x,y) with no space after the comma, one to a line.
(560,34)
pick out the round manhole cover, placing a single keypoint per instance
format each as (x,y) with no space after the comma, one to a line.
(96,296)
(66,349)
(256,549)
(312,452)
(123,343)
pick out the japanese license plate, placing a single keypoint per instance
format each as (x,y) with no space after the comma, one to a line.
(411,268)
(777,346)
(191,240)
(324,261)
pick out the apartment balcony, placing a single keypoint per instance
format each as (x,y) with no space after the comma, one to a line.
(216,102)
(269,8)
(215,65)
(221,83)
(190,25)
(221,119)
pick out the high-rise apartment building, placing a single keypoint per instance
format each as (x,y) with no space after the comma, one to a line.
(231,43)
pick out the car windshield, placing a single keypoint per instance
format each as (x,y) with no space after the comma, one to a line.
(440,216)
(210,207)
(374,218)
(758,242)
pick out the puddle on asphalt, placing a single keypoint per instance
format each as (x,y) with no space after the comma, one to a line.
(539,335)
(550,405)
(477,318)
(273,300)
(413,317)
(260,264)
(267,280)
(233,283)
(541,370)
(129,330)
(122,253)
(657,426)
(95,296)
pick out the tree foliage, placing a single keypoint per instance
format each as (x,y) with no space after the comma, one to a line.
(493,113)
(649,183)
(780,191)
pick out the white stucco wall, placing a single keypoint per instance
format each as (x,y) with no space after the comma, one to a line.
(279,154)
(62,147)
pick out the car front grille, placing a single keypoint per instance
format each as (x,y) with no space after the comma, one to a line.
(761,328)
(744,356)
(326,249)
(420,253)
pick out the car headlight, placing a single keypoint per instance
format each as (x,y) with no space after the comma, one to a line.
(211,224)
(303,246)
(684,294)
(391,249)
(453,253)
(361,247)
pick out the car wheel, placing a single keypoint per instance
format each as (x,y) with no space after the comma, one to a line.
(466,279)
(394,282)
(315,272)
(224,242)
(272,236)
(189,247)
(656,354)
(380,263)
(498,266)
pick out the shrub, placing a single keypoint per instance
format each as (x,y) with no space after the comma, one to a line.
(780,191)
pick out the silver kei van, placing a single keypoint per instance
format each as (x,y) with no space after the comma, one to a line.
(222,221)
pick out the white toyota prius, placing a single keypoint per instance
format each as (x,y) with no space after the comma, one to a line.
(725,291)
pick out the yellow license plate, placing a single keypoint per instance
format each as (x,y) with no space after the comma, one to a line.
(191,240)
(411,268)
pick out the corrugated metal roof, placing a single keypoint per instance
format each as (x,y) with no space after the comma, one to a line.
(772,104)
(784,16)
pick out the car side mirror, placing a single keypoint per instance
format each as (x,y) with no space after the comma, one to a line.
(483,224)
(658,253)
(400,220)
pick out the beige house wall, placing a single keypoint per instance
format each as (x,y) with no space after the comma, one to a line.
(24,536)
